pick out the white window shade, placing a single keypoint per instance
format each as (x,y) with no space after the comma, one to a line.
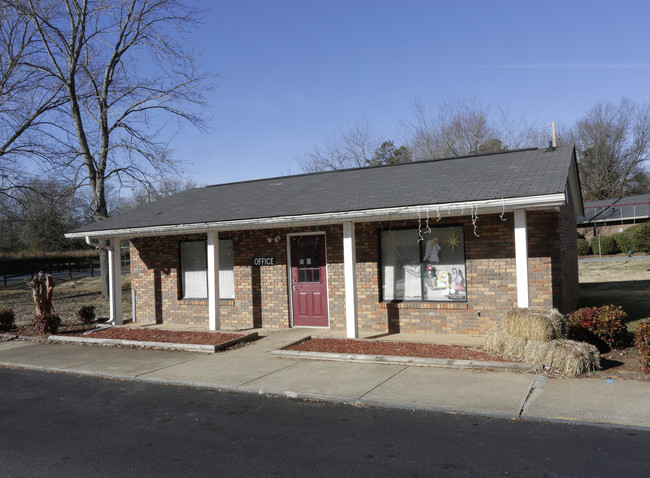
(226,270)
(194,270)
(194,265)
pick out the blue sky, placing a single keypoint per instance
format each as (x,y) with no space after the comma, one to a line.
(296,71)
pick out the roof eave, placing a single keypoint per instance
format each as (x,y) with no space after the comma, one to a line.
(490,206)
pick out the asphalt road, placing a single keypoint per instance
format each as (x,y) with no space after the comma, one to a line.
(67,425)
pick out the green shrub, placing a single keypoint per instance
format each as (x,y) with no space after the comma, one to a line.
(7,319)
(642,237)
(47,324)
(602,326)
(623,241)
(607,245)
(635,238)
(583,247)
(86,314)
(642,342)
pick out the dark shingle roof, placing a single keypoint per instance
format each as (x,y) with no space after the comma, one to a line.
(522,173)
(616,209)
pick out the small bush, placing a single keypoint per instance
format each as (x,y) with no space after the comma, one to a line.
(635,238)
(86,314)
(7,319)
(607,245)
(602,326)
(583,247)
(642,342)
(47,324)
(623,242)
(642,238)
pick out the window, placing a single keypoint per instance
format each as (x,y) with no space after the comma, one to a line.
(194,270)
(423,266)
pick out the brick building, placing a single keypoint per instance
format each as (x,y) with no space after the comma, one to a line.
(440,246)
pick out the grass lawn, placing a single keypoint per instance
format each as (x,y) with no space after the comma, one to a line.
(625,283)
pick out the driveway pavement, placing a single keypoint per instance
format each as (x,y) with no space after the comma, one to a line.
(255,369)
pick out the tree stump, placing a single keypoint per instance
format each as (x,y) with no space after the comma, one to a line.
(42,287)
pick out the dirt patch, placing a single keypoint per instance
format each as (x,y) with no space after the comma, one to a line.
(621,364)
(160,335)
(398,349)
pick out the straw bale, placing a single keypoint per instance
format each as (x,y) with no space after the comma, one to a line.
(531,324)
(567,357)
(499,341)
(563,356)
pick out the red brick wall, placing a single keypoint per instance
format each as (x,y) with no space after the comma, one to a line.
(570,286)
(261,292)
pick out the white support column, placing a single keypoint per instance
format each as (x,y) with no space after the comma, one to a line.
(115,282)
(214,319)
(521,258)
(350,266)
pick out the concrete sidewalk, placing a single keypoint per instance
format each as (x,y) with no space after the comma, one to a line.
(254,369)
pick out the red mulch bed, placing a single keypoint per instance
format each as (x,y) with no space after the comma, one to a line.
(403,349)
(159,335)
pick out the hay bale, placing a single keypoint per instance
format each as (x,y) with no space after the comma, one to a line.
(567,357)
(499,341)
(531,324)
(560,355)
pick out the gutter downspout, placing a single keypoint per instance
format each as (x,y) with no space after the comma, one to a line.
(90,242)
(114,278)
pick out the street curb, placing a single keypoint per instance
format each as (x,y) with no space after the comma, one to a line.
(416,361)
(165,345)
(328,398)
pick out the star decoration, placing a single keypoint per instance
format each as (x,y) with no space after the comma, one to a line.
(453,241)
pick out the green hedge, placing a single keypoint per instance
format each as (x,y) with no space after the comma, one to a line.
(607,245)
(641,237)
(623,241)
(583,247)
(635,238)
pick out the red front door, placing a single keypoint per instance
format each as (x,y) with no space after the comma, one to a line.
(309,281)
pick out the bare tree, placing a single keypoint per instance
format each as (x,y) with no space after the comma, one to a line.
(145,193)
(463,126)
(613,146)
(349,148)
(126,74)
(28,96)
(38,214)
